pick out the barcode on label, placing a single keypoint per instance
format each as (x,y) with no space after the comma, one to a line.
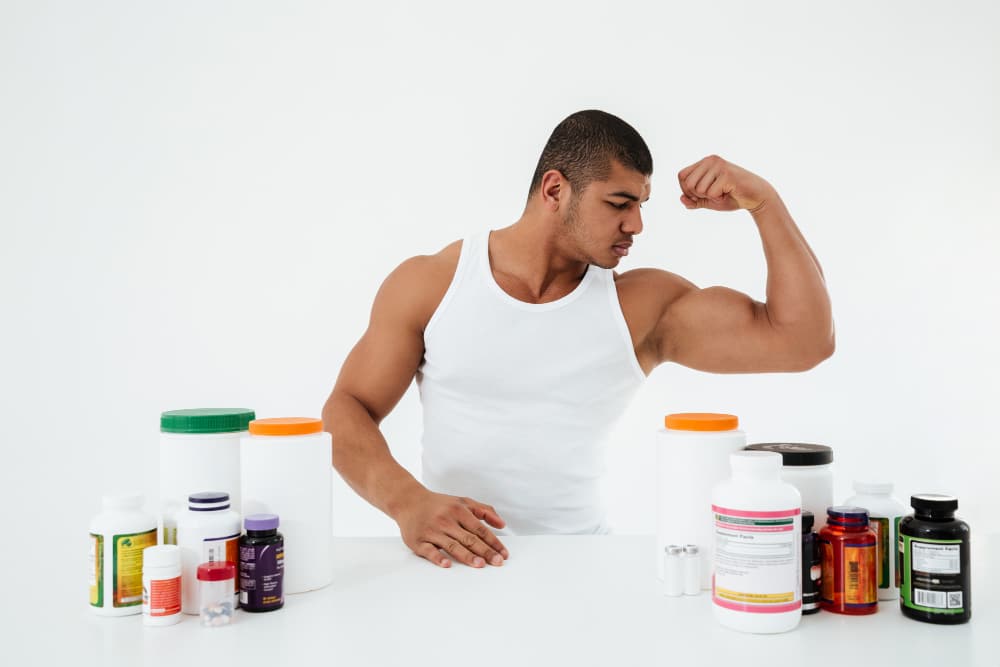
(935,599)
(854,573)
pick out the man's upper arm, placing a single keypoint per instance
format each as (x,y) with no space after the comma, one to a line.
(384,361)
(721,330)
(716,329)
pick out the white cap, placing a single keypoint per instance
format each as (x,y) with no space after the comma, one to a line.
(877,488)
(124,502)
(164,555)
(755,464)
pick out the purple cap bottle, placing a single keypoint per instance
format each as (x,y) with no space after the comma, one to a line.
(262,563)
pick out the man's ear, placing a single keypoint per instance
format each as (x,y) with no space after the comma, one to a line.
(555,189)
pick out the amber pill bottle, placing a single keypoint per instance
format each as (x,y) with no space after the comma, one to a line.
(847,548)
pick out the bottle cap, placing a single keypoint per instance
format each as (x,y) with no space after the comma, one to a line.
(747,463)
(218,571)
(797,453)
(701,421)
(934,502)
(691,549)
(675,550)
(261,522)
(286,426)
(208,501)
(873,488)
(123,502)
(848,515)
(163,555)
(808,521)
(206,420)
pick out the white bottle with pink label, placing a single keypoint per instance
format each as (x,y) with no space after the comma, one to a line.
(757,578)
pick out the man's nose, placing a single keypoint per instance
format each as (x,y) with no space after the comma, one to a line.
(632,224)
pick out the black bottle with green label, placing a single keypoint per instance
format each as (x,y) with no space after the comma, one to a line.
(934,562)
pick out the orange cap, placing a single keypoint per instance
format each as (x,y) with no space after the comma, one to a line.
(286,426)
(695,421)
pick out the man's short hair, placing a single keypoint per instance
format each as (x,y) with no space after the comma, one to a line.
(583,145)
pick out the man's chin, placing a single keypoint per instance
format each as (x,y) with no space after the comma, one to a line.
(606,264)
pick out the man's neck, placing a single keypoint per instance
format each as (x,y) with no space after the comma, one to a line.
(537,254)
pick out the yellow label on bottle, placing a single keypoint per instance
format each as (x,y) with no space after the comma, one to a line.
(860,575)
(128,566)
(96,570)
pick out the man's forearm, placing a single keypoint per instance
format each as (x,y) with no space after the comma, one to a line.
(797,300)
(361,456)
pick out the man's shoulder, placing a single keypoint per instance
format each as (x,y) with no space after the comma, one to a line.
(416,287)
(434,268)
(652,283)
(646,294)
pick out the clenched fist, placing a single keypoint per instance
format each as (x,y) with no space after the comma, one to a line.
(718,185)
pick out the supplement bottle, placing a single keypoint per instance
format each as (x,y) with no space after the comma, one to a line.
(215,600)
(161,585)
(692,570)
(118,536)
(884,515)
(757,584)
(807,467)
(209,532)
(692,454)
(262,563)
(812,565)
(287,469)
(934,582)
(199,449)
(847,546)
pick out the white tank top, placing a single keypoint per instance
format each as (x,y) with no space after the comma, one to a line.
(519,398)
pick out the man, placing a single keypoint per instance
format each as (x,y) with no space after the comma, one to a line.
(526,345)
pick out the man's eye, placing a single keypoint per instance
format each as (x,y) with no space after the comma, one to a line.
(620,207)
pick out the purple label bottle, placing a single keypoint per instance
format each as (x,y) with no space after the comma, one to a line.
(262,564)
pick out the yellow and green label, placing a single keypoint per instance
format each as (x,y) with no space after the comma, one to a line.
(128,566)
(96,570)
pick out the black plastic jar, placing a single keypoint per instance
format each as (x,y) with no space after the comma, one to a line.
(812,569)
(262,564)
(934,584)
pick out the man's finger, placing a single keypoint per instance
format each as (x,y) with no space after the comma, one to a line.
(433,554)
(706,182)
(486,543)
(457,550)
(691,180)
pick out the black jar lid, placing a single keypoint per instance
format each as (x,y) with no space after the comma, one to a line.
(807,521)
(933,502)
(797,453)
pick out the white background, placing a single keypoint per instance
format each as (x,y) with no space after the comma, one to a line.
(199,200)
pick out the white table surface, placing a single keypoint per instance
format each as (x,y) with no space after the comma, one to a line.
(560,600)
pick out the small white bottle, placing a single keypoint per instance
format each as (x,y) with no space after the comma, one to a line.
(757,584)
(118,536)
(673,570)
(692,570)
(161,585)
(884,515)
(208,532)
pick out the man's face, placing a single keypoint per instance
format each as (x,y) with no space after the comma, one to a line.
(601,220)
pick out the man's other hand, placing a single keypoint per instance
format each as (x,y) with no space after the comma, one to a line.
(432,522)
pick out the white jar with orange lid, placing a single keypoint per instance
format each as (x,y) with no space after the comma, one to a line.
(692,453)
(286,469)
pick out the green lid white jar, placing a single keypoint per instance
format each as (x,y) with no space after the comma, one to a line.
(199,449)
